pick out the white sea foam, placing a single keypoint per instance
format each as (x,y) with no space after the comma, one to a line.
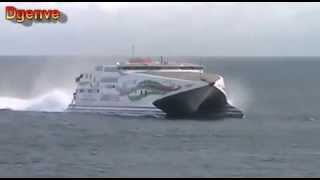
(54,101)
(239,94)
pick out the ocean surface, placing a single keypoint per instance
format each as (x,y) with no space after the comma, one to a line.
(278,137)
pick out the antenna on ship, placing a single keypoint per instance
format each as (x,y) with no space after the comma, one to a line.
(132,50)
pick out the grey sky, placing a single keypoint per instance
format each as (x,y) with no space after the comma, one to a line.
(170,29)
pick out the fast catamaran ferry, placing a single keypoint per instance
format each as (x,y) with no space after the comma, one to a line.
(143,85)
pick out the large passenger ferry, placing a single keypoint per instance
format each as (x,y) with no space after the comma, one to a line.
(143,85)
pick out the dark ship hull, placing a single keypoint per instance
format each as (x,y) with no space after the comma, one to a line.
(206,101)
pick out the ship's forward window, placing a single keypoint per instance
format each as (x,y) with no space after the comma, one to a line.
(83,83)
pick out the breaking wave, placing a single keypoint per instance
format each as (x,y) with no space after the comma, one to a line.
(54,101)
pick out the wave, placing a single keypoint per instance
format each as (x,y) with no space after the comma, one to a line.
(56,100)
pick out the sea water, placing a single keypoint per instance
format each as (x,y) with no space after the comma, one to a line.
(279,136)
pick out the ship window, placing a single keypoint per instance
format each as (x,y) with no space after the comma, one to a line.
(109,79)
(110,86)
(98,91)
(110,69)
(90,90)
(83,83)
(81,90)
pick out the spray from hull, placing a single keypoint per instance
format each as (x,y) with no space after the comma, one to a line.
(54,101)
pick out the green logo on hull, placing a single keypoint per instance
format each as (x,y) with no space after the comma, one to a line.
(149,87)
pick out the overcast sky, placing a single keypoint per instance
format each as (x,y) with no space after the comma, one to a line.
(170,29)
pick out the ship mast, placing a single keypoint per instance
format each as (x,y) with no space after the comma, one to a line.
(132,51)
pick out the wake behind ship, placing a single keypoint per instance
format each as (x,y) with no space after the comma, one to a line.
(142,85)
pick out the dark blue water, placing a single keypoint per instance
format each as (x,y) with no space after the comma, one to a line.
(278,136)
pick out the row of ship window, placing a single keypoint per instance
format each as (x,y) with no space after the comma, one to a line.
(89,90)
(114,69)
(95,90)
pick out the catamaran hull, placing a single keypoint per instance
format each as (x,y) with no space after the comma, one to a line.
(203,101)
